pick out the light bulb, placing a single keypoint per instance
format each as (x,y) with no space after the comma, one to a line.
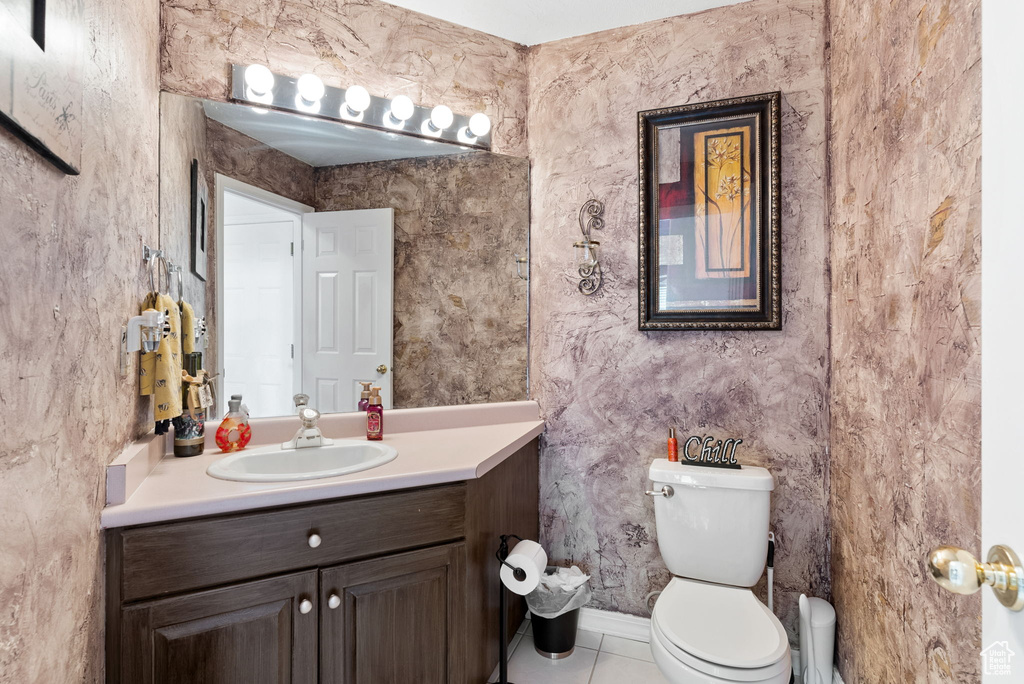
(259,79)
(479,124)
(441,117)
(357,99)
(402,108)
(311,88)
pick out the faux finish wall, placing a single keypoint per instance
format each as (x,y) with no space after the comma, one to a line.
(70,276)
(389,50)
(460,308)
(609,392)
(906,347)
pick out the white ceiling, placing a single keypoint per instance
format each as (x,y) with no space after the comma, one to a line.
(539,21)
(318,142)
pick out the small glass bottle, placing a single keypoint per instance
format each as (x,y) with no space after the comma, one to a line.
(234,431)
(190,426)
(375,417)
(364,396)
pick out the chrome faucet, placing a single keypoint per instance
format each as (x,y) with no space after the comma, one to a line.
(309,434)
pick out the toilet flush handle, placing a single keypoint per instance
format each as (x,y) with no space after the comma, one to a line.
(665,491)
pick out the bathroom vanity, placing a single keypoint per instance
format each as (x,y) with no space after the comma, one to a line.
(394,585)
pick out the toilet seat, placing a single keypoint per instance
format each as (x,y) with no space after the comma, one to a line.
(721,631)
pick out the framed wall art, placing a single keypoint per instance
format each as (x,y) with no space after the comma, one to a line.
(41,77)
(200,221)
(709,216)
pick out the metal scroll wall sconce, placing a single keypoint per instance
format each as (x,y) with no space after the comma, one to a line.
(308,95)
(591,216)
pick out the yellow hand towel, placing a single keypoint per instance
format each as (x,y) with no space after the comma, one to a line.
(160,371)
(188,328)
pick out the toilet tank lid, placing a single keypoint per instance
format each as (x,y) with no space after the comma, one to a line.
(746,477)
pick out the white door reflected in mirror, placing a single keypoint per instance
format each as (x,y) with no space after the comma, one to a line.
(347,283)
(261,285)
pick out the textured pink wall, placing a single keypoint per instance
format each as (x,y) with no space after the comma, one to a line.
(609,392)
(906,346)
(72,242)
(387,49)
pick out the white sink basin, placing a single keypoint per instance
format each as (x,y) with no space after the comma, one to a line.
(274,464)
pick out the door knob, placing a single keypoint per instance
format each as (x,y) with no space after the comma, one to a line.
(958,571)
(314,540)
(333,601)
(305,605)
(382,369)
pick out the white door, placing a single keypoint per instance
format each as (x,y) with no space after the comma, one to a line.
(1002,363)
(260,292)
(347,265)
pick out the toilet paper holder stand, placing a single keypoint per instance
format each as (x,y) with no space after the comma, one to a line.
(519,574)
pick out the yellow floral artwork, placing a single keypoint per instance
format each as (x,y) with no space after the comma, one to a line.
(723,210)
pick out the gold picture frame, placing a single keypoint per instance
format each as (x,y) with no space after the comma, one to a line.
(709,247)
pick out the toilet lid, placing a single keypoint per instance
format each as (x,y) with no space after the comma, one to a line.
(723,625)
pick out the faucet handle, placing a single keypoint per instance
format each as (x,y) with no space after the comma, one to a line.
(309,417)
(300,400)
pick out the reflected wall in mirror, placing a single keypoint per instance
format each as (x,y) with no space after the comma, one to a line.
(338,254)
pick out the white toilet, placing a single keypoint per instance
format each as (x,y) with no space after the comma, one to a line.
(707,626)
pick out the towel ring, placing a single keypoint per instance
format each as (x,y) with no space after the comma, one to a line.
(174,268)
(155,285)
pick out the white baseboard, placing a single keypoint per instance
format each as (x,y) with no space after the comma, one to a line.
(616,624)
(639,629)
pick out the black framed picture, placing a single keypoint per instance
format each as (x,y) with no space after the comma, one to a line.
(200,221)
(710,215)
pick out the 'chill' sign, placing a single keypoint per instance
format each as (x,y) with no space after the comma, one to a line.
(706,451)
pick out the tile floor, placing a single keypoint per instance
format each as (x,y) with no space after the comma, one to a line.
(598,659)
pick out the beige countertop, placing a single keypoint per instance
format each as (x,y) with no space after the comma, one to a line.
(435,445)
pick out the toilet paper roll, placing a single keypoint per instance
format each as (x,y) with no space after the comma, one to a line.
(529,556)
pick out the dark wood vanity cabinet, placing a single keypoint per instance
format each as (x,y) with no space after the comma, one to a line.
(253,632)
(378,589)
(399,618)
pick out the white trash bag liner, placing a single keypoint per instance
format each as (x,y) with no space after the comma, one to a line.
(562,590)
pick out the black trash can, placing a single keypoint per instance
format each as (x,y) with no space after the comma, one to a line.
(555,638)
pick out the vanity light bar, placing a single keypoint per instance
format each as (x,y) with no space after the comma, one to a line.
(357,107)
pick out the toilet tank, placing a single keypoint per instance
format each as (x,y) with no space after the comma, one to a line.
(714,526)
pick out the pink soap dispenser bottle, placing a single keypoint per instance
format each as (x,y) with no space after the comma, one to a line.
(375,417)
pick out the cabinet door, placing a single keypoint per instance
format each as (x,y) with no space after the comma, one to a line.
(262,632)
(400,618)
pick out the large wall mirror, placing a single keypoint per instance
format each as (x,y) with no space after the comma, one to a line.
(322,254)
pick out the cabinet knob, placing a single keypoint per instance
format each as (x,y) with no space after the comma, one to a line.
(314,540)
(333,601)
(305,605)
